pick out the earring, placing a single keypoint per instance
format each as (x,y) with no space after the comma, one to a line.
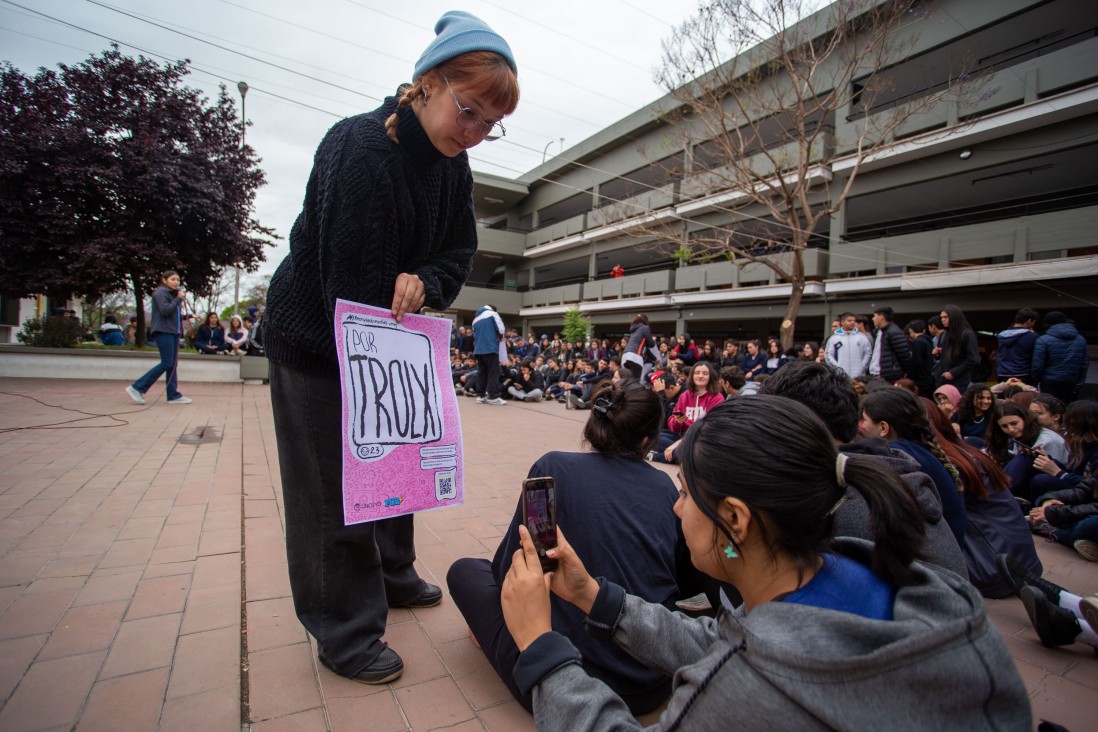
(730,552)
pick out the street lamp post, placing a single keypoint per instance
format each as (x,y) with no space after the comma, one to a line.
(243,88)
(545,152)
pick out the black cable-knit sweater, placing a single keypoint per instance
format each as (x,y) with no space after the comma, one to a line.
(373,209)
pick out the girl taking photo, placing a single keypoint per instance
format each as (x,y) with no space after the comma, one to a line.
(1016,440)
(832,634)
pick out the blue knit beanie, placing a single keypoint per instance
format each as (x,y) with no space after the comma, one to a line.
(458,32)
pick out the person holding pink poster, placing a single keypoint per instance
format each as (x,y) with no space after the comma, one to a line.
(388,221)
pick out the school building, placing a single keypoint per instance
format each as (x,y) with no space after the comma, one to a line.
(990,204)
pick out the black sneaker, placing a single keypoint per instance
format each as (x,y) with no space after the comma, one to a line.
(385,668)
(1055,626)
(1018,576)
(429,596)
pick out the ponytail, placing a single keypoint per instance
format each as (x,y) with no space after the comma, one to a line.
(895,518)
(805,483)
(408,95)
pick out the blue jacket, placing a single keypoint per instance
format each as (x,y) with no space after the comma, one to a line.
(1016,351)
(487,330)
(165,311)
(1060,355)
(207,337)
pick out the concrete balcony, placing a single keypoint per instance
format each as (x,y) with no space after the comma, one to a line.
(505,243)
(726,274)
(1039,236)
(472,297)
(638,285)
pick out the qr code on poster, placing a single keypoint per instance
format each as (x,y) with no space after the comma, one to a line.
(444,486)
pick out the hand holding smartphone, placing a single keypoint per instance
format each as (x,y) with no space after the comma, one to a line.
(1025,449)
(539,515)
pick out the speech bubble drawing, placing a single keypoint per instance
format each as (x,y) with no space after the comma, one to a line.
(393,388)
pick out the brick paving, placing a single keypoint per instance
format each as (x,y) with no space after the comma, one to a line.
(121,567)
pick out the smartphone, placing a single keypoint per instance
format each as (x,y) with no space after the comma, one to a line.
(1024,448)
(678,414)
(539,514)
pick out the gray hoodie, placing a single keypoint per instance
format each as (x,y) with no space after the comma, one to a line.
(940,664)
(852,519)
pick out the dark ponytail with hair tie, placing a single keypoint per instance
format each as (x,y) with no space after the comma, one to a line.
(797,500)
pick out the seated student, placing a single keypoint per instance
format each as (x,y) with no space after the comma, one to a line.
(1059,617)
(685,352)
(1015,440)
(527,386)
(837,634)
(236,337)
(829,393)
(994,526)
(700,395)
(668,388)
(1066,507)
(947,398)
(731,381)
(974,414)
(554,376)
(110,332)
(896,415)
(1049,412)
(210,336)
(774,357)
(579,396)
(754,363)
(598,495)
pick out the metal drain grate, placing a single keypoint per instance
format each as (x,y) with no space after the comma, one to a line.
(201,436)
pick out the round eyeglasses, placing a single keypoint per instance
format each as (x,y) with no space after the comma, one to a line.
(467,119)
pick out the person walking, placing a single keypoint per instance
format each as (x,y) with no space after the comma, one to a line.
(388,221)
(167,300)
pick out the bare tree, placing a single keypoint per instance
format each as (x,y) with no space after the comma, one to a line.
(761,127)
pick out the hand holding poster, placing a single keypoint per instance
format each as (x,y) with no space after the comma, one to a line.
(402,448)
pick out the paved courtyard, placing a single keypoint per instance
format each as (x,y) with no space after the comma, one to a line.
(134,549)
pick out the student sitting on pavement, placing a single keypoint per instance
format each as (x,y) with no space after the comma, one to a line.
(527,386)
(597,495)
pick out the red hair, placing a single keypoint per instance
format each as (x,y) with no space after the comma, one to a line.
(482,74)
(972,464)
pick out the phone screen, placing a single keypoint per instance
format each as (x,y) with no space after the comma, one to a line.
(539,514)
(1025,449)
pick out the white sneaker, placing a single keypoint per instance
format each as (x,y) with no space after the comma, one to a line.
(482,400)
(179,400)
(497,401)
(135,395)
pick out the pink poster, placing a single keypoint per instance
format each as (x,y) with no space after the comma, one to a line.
(401,429)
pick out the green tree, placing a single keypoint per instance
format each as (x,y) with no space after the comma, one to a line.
(576,325)
(112,171)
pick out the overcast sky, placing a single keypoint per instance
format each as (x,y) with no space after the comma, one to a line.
(582,66)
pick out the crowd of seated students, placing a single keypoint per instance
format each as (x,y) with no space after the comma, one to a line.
(987,465)
(846,536)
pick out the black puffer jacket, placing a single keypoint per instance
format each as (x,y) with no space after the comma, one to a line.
(895,353)
(1079,503)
